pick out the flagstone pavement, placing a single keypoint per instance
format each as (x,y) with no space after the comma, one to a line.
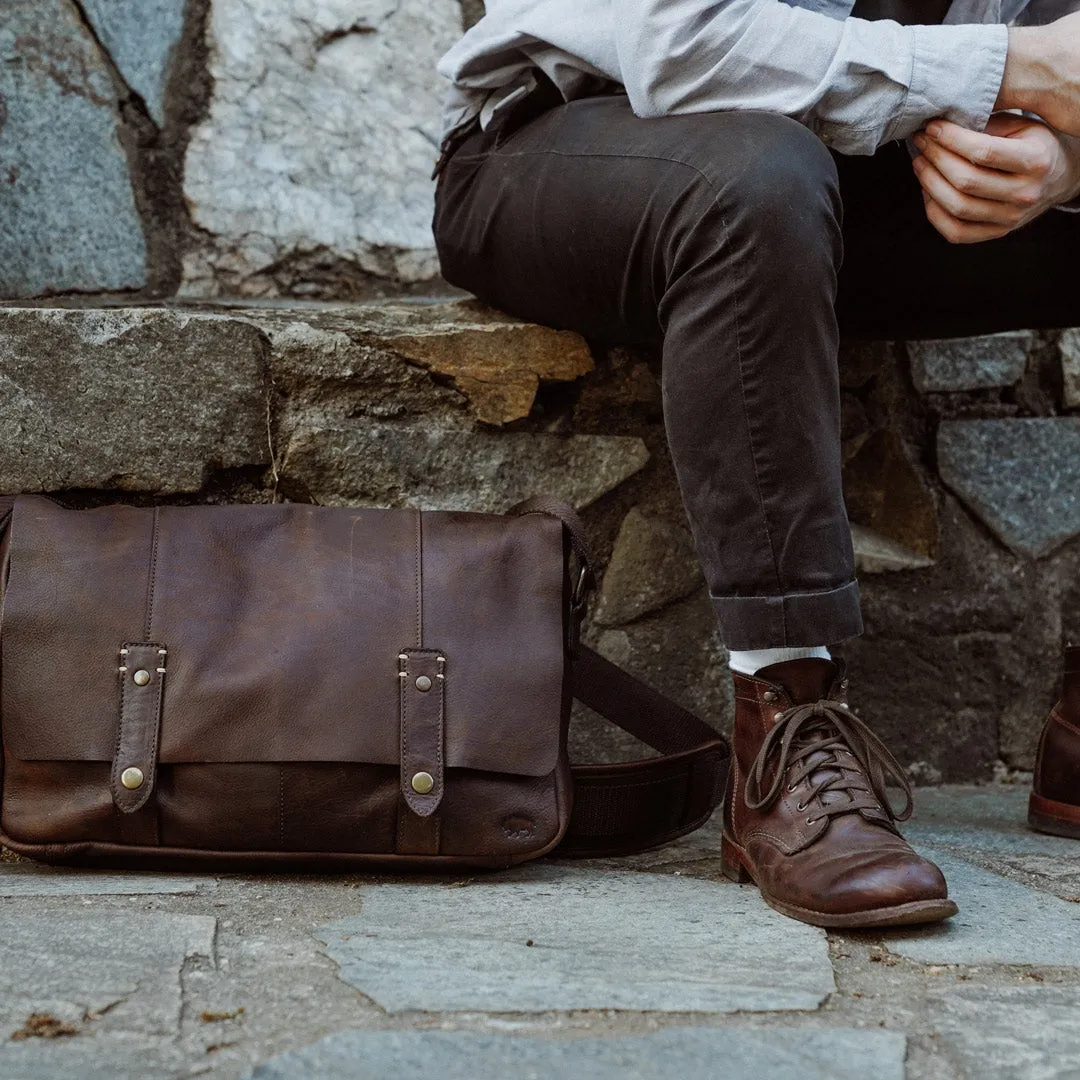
(652,966)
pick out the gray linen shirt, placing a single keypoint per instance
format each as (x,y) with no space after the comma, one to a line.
(856,84)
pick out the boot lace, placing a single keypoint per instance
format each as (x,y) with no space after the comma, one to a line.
(828,745)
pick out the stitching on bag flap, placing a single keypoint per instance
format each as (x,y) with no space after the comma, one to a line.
(151,574)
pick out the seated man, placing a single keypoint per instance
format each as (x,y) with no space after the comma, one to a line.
(690,172)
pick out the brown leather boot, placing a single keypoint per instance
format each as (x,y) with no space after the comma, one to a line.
(1054,804)
(807,817)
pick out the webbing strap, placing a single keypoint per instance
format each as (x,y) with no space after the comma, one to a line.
(632,806)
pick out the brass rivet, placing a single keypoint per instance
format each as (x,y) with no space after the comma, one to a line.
(423,684)
(778,717)
(141,677)
(423,782)
(769,695)
(132,779)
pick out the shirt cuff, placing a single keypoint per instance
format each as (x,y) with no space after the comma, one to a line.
(956,73)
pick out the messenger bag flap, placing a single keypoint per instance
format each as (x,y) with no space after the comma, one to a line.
(284,632)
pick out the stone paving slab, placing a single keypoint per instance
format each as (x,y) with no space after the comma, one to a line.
(992,842)
(992,820)
(1000,922)
(988,827)
(1014,1033)
(689,1053)
(34,879)
(555,938)
(98,1058)
(98,971)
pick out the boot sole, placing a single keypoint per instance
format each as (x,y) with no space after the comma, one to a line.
(736,866)
(1056,818)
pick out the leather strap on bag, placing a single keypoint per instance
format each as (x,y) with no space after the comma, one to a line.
(142,684)
(632,806)
(421,673)
(635,805)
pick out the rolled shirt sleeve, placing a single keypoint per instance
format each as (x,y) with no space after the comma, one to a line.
(858,84)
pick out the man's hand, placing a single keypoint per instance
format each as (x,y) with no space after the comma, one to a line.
(979,186)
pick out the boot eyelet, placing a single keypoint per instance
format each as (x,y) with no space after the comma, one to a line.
(791,788)
(800,808)
(811,821)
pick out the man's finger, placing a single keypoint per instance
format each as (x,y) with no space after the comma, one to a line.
(960,232)
(972,179)
(989,151)
(961,206)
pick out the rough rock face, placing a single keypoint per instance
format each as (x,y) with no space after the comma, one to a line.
(141,36)
(156,400)
(876,554)
(653,564)
(678,650)
(68,220)
(499,364)
(1021,477)
(131,399)
(960,661)
(1070,367)
(319,146)
(886,492)
(970,363)
(447,468)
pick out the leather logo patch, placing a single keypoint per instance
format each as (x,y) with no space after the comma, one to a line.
(518,827)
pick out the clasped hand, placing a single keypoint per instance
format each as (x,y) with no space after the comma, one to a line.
(981,185)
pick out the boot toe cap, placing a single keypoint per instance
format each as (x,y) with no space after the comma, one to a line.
(886,882)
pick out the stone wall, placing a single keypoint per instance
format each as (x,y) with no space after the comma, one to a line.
(209,151)
(219,147)
(964,494)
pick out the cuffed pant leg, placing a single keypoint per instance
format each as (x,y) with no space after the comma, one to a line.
(751,390)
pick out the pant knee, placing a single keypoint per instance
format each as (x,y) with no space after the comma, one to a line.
(787,190)
(766,198)
(768,174)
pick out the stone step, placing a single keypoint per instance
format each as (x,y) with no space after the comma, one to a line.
(383,404)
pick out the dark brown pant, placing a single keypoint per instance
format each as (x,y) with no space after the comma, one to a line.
(720,235)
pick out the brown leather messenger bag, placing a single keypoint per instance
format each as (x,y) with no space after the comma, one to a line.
(227,687)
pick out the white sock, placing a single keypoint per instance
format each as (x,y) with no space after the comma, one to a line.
(753,660)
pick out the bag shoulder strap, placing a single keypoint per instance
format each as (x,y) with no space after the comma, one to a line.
(635,805)
(631,806)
